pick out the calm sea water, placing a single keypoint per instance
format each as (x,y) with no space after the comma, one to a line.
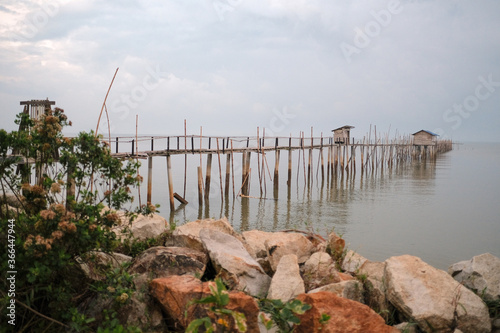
(443,211)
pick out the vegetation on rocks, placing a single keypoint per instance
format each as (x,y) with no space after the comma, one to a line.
(58,218)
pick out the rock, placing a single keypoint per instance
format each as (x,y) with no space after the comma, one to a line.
(480,274)
(372,274)
(335,245)
(256,241)
(283,243)
(346,277)
(176,293)
(345,316)
(160,261)
(234,264)
(243,303)
(142,227)
(352,262)
(495,323)
(94,263)
(287,282)
(139,310)
(352,290)
(407,327)
(319,270)
(432,298)
(188,235)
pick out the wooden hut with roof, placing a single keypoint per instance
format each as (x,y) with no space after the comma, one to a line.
(424,138)
(342,135)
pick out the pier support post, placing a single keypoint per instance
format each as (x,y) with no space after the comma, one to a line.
(276,170)
(150,179)
(228,173)
(170,184)
(200,186)
(208,176)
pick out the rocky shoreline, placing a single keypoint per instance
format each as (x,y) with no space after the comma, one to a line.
(347,292)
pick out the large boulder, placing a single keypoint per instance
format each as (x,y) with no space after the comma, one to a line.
(351,289)
(432,298)
(141,228)
(352,262)
(372,275)
(287,282)
(481,274)
(188,235)
(176,294)
(160,261)
(319,270)
(138,310)
(94,264)
(345,316)
(283,243)
(234,264)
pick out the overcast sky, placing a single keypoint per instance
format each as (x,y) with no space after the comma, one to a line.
(234,65)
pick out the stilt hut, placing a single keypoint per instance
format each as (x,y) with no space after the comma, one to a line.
(424,138)
(342,135)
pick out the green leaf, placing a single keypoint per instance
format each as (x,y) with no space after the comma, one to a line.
(240,320)
(195,324)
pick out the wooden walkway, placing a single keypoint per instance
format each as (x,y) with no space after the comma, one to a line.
(343,159)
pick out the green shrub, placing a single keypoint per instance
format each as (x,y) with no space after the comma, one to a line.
(60,217)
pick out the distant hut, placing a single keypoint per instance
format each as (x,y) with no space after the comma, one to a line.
(342,134)
(36,108)
(424,138)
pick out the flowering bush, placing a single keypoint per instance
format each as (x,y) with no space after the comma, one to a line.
(59,216)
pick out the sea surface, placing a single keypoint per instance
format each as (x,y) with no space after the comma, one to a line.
(442,211)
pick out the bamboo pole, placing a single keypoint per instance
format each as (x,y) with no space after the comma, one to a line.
(200,186)
(232,168)
(170,184)
(220,172)
(208,176)
(228,173)
(258,161)
(185,157)
(150,179)
(289,178)
(276,168)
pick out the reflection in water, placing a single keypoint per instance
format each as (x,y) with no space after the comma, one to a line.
(417,208)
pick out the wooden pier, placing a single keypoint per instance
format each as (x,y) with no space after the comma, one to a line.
(342,159)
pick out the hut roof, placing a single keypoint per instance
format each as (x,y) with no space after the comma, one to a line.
(429,132)
(343,127)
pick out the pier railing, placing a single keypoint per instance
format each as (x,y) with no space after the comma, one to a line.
(341,159)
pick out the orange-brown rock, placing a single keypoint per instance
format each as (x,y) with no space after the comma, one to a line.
(335,245)
(176,293)
(345,316)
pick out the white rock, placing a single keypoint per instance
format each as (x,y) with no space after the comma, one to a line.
(350,289)
(287,282)
(481,274)
(432,298)
(319,270)
(234,264)
(353,261)
(283,243)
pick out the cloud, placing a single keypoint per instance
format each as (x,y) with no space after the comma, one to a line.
(231,73)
